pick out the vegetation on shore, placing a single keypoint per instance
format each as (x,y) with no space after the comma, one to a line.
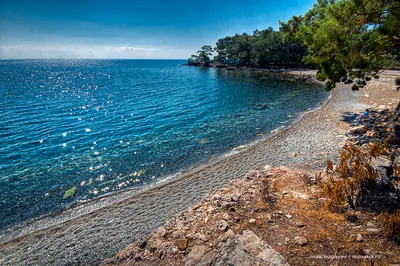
(342,39)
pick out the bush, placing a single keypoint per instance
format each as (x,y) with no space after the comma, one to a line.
(321,77)
(391,225)
(376,76)
(368,78)
(344,183)
(355,88)
(330,85)
(343,79)
(397,80)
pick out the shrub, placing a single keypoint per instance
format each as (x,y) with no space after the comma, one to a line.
(344,183)
(343,79)
(330,85)
(368,78)
(321,76)
(397,80)
(355,88)
(391,225)
(376,76)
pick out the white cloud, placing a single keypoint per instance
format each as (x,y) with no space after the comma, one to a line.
(90,52)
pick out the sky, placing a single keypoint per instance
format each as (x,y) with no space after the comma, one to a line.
(129,29)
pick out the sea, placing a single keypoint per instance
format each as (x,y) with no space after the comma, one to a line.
(75,130)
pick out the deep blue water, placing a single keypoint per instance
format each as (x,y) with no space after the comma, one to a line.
(107,125)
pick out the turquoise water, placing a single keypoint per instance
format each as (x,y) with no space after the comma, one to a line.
(107,125)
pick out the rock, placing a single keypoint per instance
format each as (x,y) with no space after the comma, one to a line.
(252,221)
(183,243)
(222,225)
(352,218)
(247,250)
(226,235)
(380,194)
(260,249)
(161,231)
(373,230)
(176,234)
(201,236)
(287,239)
(370,224)
(252,174)
(207,259)
(234,253)
(195,255)
(359,238)
(392,139)
(174,251)
(300,224)
(358,130)
(267,168)
(301,240)
(288,216)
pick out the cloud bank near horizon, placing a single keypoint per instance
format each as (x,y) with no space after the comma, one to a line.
(90,52)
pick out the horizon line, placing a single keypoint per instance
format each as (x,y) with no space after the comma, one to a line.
(3,59)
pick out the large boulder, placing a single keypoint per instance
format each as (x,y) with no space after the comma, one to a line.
(394,137)
(358,130)
(247,249)
(379,194)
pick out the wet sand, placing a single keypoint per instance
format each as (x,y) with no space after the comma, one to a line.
(90,238)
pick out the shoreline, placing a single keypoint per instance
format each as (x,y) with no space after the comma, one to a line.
(78,209)
(111,228)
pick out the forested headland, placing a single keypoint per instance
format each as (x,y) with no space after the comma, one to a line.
(343,39)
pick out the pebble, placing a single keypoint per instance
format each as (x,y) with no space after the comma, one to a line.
(201,236)
(252,221)
(222,225)
(373,230)
(300,224)
(301,240)
(288,216)
(183,243)
(359,238)
(369,224)
(174,251)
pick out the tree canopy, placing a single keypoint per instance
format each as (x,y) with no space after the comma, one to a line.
(348,37)
(342,38)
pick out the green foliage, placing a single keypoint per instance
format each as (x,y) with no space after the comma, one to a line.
(204,55)
(376,76)
(348,35)
(321,76)
(397,81)
(263,48)
(69,193)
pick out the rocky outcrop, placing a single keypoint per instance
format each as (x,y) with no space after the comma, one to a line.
(380,194)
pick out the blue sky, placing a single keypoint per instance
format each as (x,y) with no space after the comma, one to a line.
(131,28)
